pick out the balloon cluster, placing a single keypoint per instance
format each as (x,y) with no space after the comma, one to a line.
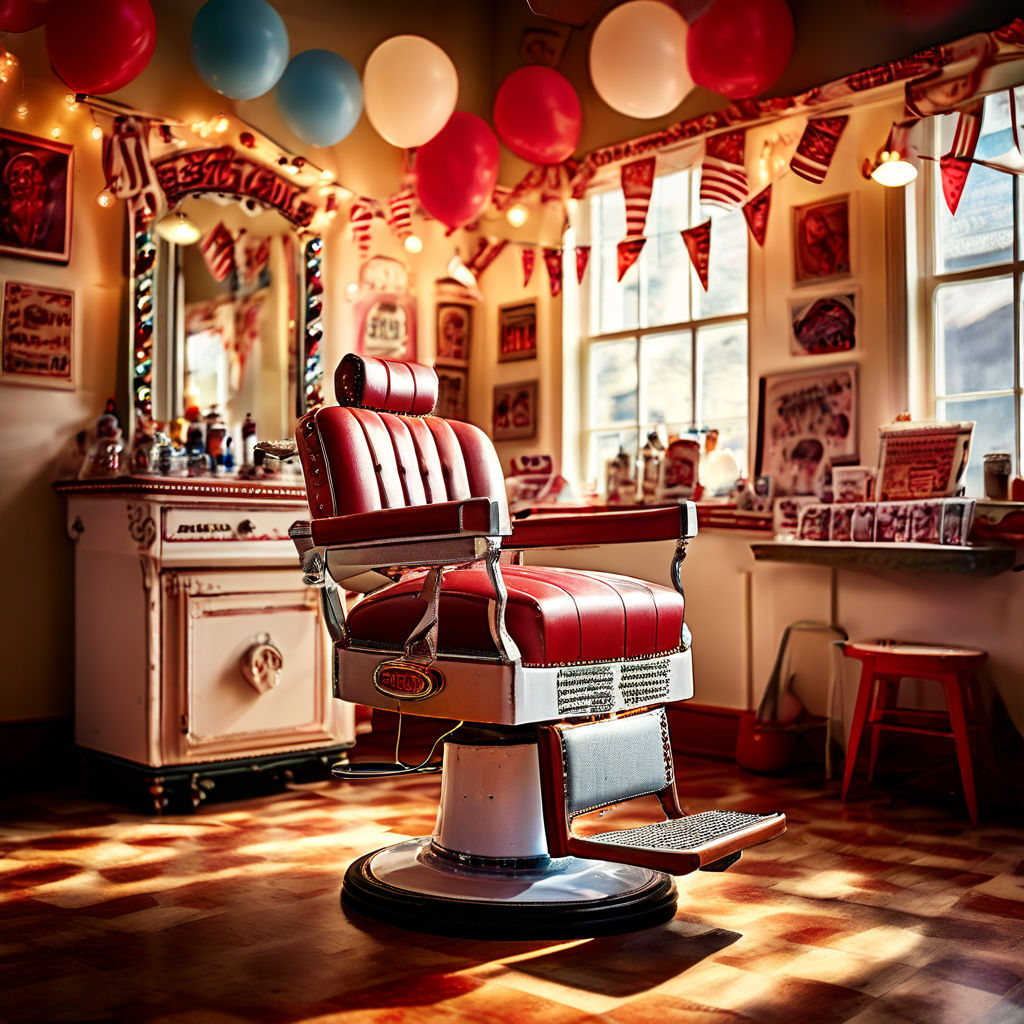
(645,58)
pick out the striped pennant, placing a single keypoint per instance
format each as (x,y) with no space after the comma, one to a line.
(817,147)
(637,185)
(218,249)
(361,218)
(399,216)
(698,245)
(723,177)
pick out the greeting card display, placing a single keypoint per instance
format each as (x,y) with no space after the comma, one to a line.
(922,460)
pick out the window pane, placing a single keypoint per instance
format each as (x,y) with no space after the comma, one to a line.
(608,213)
(722,351)
(667,268)
(666,370)
(974,336)
(993,432)
(727,272)
(670,209)
(613,306)
(981,233)
(612,371)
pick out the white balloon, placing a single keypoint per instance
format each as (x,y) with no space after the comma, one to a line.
(410,87)
(638,59)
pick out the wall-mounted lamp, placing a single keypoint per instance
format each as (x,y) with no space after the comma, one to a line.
(892,168)
(517,215)
(178,227)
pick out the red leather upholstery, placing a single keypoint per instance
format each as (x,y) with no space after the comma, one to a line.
(544,531)
(385,384)
(473,516)
(556,616)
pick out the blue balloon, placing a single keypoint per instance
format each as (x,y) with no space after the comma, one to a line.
(239,47)
(320,97)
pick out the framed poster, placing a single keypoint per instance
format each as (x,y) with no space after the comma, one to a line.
(806,422)
(828,323)
(515,411)
(821,240)
(385,310)
(517,332)
(35,197)
(452,393)
(454,333)
(38,336)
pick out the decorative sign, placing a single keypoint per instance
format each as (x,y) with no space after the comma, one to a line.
(922,460)
(404,680)
(385,310)
(517,332)
(454,324)
(37,335)
(224,170)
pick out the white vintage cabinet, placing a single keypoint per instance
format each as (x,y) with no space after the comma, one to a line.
(201,661)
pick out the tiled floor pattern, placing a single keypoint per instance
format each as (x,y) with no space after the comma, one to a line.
(878,912)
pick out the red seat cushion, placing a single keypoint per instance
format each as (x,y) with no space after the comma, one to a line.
(556,616)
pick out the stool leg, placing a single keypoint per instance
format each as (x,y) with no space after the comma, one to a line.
(977,708)
(954,686)
(887,691)
(860,717)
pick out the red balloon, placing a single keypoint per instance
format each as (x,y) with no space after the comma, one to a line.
(537,115)
(456,171)
(740,47)
(23,15)
(100,46)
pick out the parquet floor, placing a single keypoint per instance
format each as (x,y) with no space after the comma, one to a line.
(877,912)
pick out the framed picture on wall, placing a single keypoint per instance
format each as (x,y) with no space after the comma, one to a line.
(454,333)
(37,339)
(807,422)
(452,393)
(35,197)
(515,411)
(819,325)
(821,240)
(517,332)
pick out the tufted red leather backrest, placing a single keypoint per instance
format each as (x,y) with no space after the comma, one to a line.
(366,459)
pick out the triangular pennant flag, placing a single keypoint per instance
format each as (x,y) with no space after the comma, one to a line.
(817,146)
(637,185)
(954,170)
(218,249)
(399,216)
(361,217)
(627,252)
(553,262)
(487,251)
(529,258)
(956,164)
(582,259)
(723,178)
(698,245)
(756,214)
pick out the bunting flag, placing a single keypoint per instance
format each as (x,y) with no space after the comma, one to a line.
(399,216)
(582,259)
(127,167)
(637,185)
(723,178)
(756,214)
(698,245)
(361,217)
(817,147)
(529,255)
(627,253)
(487,251)
(955,165)
(255,256)
(553,262)
(218,249)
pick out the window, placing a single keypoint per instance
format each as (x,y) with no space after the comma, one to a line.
(657,349)
(972,281)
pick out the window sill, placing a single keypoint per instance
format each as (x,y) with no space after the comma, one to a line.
(977,559)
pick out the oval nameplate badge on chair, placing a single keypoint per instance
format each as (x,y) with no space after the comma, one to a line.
(405,680)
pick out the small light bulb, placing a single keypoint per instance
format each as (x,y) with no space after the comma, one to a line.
(517,215)
(326,175)
(70,100)
(413,243)
(56,131)
(352,289)
(105,198)
(96,132)
(292,169)
(22,110)
(221,124)
(3,77)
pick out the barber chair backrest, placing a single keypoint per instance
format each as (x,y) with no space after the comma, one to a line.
(380,448)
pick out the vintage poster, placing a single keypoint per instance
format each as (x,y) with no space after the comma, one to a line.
(922,460)
(821,240)
(517,332)
(38,335)
(822,325)
(515,411)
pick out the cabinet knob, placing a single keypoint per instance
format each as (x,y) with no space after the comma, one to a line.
(261,665)
(246,526)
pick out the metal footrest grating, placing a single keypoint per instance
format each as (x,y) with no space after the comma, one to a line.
(693,832)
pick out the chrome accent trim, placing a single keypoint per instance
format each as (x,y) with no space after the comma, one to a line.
(507,648)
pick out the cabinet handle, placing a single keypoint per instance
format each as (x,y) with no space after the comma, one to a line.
(261,665)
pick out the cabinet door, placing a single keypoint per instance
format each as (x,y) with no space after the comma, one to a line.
(246,667)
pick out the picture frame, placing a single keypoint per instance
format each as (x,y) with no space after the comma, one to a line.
(514,412)
(36,178)
(37,338)
(454,333)
(517,331)
(806,423)
(824,324)
(452,393)
(822,246)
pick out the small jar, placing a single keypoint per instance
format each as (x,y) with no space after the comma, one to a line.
(997,476)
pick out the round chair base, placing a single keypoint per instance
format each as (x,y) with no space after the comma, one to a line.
(410,886)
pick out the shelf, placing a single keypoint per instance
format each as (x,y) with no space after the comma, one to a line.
(981,560)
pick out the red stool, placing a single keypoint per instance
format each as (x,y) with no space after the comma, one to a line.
(884,664)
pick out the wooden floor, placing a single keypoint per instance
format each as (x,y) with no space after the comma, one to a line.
(882,911)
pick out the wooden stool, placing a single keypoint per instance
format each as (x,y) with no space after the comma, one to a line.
(884,664)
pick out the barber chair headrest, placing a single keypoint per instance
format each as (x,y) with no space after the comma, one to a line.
(386,385)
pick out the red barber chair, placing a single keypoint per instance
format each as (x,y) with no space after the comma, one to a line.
(557,677)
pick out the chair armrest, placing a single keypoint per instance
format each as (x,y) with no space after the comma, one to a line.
(678,522)
(468,517)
